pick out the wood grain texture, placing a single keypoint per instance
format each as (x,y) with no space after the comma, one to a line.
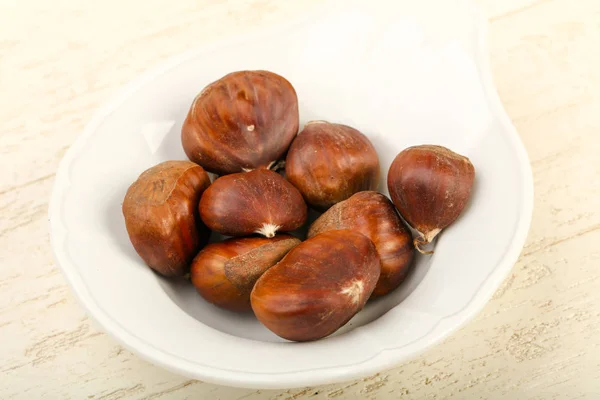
(538,338)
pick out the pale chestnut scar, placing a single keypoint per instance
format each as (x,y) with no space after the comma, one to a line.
(354,290)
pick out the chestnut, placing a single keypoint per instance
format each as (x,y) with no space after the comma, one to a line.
(374,215)
(330,162)
(161,216)
(259,201)
(224,273)
(430,185)
(243,121)
(318,286)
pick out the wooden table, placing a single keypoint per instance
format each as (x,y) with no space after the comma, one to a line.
(539,338)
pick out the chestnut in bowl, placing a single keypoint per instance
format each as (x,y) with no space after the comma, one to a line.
(259,201)
(430,185)
(243,121)
(161,216)
(374,215)
(318,286)
(330,162)
(224,273)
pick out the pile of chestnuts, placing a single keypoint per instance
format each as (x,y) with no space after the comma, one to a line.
(244,129)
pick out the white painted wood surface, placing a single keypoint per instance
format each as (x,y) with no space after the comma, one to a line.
(539,338)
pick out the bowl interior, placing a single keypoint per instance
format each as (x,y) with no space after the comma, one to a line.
(399,73)
(347,78)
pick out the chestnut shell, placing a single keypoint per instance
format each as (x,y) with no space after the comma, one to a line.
(245,120)
(330,162)
(224,273)
(318,286)
(374,215)
(259,201)
(430,185)
(161,216)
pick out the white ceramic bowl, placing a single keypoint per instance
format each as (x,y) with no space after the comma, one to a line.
(402,72)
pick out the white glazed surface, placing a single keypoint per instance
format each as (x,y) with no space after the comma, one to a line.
(402,76)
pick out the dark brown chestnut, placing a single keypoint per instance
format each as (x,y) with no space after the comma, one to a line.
(430,185)
(259,201)
(243,121)
(161,216)
(330,162)
(224,273)
(318,286)
(373,215)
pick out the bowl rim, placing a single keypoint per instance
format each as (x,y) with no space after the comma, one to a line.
(386,358)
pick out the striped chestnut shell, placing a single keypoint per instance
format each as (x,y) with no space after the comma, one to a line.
(245,120)
(318,286)
(161,216)
(224,273)
(330,162)
(259,201)
(430,185)
(374,215)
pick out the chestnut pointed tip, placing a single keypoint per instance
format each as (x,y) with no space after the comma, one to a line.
(418,242)
(276,165)
(268,230)
(429,236)
(424,240)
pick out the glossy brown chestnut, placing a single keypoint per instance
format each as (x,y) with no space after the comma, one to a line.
(161,216)
(374,215)
(259,201)
(224,273)
(430,186)
(330,162)
(245,120)
(318,286)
